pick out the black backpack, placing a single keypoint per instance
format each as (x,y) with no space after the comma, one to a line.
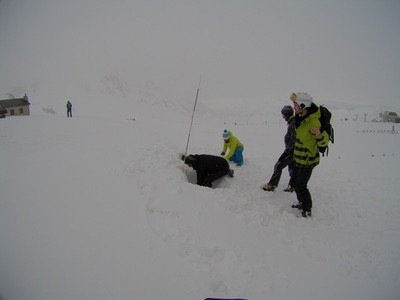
(326,125)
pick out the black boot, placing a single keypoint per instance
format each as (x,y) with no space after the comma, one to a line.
(289,189)
(298,206)
(268,187)
(306,213)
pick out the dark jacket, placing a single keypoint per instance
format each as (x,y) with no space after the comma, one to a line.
(290,136)
(206,165)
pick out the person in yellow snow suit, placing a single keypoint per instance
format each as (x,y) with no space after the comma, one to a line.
(235,147)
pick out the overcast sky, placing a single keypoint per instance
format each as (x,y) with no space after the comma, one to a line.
(345,50)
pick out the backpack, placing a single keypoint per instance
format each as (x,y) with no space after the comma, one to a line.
(326,125)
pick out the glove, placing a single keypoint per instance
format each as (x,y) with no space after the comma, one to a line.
(222,153)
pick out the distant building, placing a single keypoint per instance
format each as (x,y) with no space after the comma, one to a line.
(15,107)
(389,116)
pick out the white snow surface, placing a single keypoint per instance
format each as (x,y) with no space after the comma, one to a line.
(99,206)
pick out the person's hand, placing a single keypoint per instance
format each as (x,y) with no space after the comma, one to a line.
(222,153)
(315,131)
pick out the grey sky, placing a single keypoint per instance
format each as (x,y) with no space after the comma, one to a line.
(345,50)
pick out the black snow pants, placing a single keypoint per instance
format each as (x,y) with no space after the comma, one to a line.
(301,177)
(283,162)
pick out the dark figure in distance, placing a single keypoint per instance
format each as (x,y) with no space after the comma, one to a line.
(69,109)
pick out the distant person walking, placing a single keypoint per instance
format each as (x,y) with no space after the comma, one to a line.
(286,158)
(309,138)
(235,147)
(69,109)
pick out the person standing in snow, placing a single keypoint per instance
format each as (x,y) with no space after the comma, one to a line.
(69,109)
(286,159)
(235,147)
(306,149)
(208,167)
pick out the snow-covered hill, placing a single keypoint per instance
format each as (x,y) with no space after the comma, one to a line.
(98,207)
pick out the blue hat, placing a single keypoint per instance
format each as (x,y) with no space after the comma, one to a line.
(226,135)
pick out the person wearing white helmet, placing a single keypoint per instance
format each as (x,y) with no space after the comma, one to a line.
(309,138)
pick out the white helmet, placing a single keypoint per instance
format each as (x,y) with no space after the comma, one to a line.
(304,100)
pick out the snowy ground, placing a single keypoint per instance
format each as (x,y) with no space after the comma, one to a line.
(97,207)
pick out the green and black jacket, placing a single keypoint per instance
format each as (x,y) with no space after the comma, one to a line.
(306,148)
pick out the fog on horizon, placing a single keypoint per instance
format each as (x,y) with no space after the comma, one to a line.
(243,50)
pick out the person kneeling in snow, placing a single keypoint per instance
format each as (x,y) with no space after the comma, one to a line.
(235,148)
(208,167)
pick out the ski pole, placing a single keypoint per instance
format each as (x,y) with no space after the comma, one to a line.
(191,122)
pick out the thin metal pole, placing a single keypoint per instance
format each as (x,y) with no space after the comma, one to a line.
(191,122)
